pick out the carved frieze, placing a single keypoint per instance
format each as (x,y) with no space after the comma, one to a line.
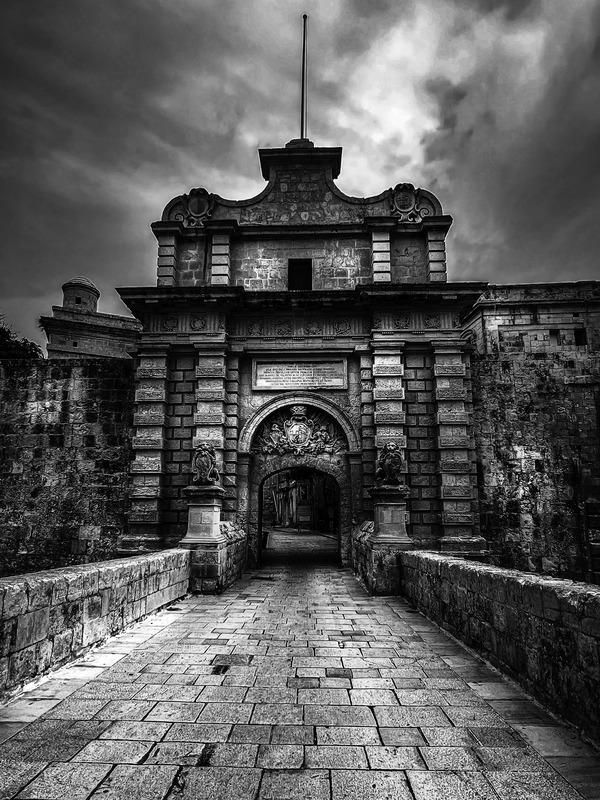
(198,322)
(148,390)
(152,372)
(450,369)
(454,441)
(284,327)
(255,327)
(168,324)
(313,327)
(342,326)
(451,492)
(452,465)
(401,321)
(452,518)
(451,393)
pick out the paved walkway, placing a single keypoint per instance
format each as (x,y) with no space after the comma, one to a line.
(292,684)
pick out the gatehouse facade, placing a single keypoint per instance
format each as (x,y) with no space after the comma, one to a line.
(300,332)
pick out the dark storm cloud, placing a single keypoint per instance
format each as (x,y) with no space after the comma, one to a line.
(111,108)
(527,177)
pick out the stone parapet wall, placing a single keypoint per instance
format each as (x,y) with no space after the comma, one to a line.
(52,617)
(542,632)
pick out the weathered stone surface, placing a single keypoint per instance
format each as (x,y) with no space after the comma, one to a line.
(64,459)
(499,613)
(464,739)
(83,605)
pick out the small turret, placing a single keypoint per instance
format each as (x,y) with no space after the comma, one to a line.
(80,294)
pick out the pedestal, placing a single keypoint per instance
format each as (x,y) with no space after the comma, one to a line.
(388,538)
(205,539)
(390,516)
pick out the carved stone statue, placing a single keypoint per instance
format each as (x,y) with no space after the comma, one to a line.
(204,465)
(390,466)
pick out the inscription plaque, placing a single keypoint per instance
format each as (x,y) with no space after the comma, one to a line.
(300,374)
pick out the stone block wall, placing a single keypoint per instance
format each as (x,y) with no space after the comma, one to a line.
(408,259)
(49,618)
(536,393)
(542,632)
(340,263)
(65,432)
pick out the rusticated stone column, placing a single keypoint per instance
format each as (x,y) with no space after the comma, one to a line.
(455,449)
(148,448)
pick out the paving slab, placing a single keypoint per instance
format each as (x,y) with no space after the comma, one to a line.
(58,781)
(293,683)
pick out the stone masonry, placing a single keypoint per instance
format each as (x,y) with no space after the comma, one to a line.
(296,684)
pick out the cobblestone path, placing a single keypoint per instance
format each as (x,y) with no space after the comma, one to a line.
(292,684)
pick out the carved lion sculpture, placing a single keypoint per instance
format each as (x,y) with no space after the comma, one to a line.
(390,465)
(204,465)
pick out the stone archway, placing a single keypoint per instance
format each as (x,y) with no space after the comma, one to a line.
(299,430)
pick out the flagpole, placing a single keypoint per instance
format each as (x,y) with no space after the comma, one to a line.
(303,110)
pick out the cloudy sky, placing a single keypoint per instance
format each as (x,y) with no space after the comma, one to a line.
(112,107)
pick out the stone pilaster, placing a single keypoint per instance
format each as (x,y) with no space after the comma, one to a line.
(209,417)
(381,257)
(230,455)
(455,449)
(148,449)
(388,393)
(367,424)
(167,260)
(220,259)
(436,255)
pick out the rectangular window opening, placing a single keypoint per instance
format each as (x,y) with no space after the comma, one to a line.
(299,274)
(77,300)
(580,337)
(75,344)
(554,337)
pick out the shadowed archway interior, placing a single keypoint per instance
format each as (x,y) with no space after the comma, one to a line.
(299,517)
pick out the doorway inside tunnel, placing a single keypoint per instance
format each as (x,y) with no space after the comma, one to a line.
(299,516)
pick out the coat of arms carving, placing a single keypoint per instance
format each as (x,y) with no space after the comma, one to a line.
(300,434)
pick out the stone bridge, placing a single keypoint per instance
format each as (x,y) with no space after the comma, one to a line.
(296,682)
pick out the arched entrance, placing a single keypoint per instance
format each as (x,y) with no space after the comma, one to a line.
(299,514)
(299,431)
